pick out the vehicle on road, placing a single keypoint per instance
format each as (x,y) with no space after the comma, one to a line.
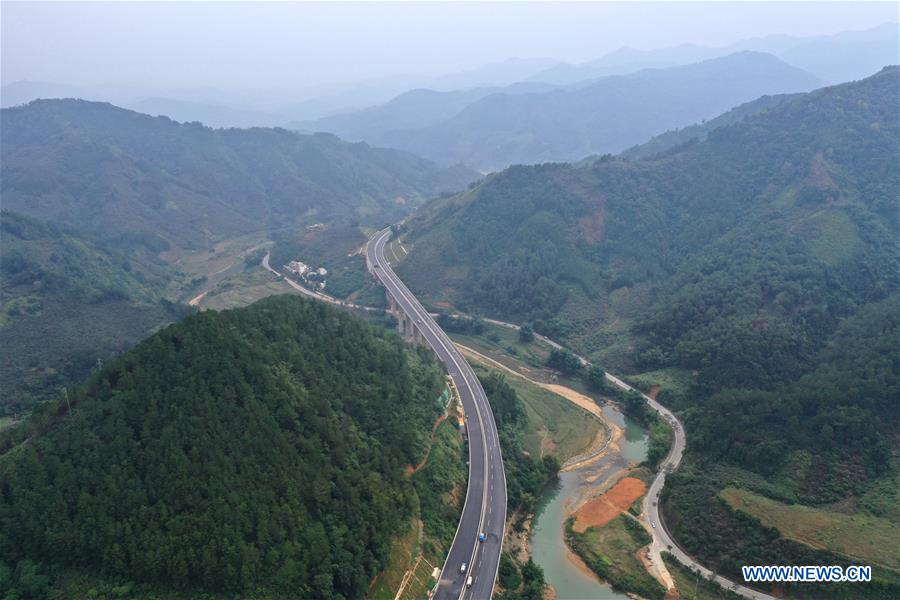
(481,537)
(469,582)
(462,568)
(653,525)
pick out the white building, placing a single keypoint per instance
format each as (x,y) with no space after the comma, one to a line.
(295,266)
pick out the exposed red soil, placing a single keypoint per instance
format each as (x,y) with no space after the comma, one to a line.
(603,509)
(414,469)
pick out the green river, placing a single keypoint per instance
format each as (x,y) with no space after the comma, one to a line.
(548,548)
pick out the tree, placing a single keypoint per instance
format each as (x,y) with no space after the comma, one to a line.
(564,361)
(595,377)
(526,334)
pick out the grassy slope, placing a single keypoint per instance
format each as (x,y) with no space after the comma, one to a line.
(610,552)
(555,425)
(857,534)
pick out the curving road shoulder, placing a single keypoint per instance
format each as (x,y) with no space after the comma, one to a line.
(662,541)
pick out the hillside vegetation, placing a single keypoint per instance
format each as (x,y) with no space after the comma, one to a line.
(68,300)
(259,448)
(698,131)
(110,214)
(762,259)
(110,170)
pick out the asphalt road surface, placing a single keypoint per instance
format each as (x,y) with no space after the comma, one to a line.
(484,510)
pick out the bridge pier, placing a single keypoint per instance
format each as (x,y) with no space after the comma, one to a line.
(409,330)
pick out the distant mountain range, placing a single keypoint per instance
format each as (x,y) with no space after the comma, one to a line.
(841,57)
(844,56)
(270,107)
(411,110)
(551,124)
(567,112)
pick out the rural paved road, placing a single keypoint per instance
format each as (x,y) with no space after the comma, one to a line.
(662,541)
(484,509)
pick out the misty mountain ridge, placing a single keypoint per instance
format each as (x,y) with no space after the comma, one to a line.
(844,56)
(603,116)
(267,108)
(414,109)
(671,140)
(833,58)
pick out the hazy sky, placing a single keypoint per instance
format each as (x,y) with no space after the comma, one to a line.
(303,44)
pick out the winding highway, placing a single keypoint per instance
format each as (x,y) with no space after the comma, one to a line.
(484,509)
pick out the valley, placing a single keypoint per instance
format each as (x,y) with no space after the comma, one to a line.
(454,301)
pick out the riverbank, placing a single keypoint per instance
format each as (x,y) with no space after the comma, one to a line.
(585,478)
(584,481)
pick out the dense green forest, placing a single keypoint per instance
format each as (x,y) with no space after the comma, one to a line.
(763,259)
(672,140)
(520,582)
(69,300)
(254,448)
(106,169)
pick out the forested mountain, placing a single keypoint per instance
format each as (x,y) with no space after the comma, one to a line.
(105,169)
(698,131)
(763,259)
(254,449)
(607,115)
(816,171)
(68,301)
